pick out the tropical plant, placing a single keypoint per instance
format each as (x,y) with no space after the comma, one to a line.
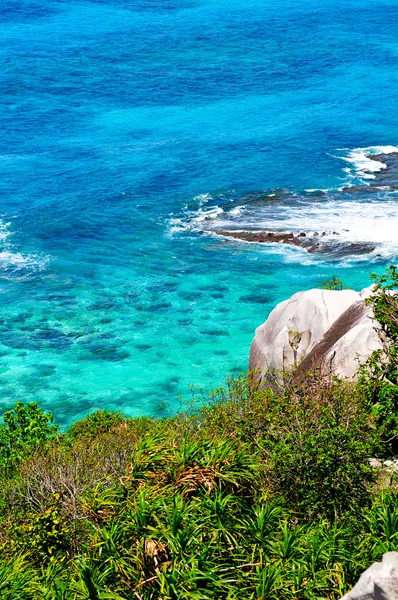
(334,283)
(25,427)
(379,376)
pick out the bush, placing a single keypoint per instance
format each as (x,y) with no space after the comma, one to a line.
(318,442)
(313,439)
(25,428)
(96,423)
(334,284)
(378,381)
(44,537)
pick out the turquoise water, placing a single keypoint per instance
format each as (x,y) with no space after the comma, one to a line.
(130,126)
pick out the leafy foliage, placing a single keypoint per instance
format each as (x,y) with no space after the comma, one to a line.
(246,497)
(334,283)
(43,536)
(25,427)
(379,376)
(319,441)
(96,423)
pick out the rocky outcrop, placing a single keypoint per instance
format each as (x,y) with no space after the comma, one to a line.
(333,330)
(379,582)
(312,243)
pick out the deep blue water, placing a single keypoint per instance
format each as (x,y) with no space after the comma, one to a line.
(123,122)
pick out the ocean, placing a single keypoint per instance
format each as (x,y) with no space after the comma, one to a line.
(139,139)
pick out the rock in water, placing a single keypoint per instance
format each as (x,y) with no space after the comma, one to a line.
(379,582)
(333,330)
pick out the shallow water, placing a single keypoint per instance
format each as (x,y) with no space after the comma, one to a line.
(123,122)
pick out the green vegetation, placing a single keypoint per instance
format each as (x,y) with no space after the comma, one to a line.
(379,377)
(253,494)
(334,283)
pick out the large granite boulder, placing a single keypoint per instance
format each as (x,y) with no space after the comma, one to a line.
(333,330)
(379,582)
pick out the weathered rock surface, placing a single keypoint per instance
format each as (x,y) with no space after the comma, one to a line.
(333,330)
(379,582)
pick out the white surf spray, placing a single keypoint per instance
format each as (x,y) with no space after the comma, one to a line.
(334,218)
(12,261)
(363,165)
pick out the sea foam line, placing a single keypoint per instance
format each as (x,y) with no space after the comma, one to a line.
(363,165)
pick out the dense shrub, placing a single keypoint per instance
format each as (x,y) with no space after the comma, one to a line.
(252,495)
(319,441)
(96,423)
(25,427)
(379,376)
(314,438)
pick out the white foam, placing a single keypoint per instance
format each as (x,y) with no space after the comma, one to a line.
(17,260)
(366,222)
(381,149)
(207,214)
(365,167)
(203,198)
(236,211)
(12,259)
(339,220)
(4,231)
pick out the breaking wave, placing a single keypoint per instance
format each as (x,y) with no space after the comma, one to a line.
(357,221)
(14,262)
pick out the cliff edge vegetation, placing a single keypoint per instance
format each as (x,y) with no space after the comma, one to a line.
(247,494)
